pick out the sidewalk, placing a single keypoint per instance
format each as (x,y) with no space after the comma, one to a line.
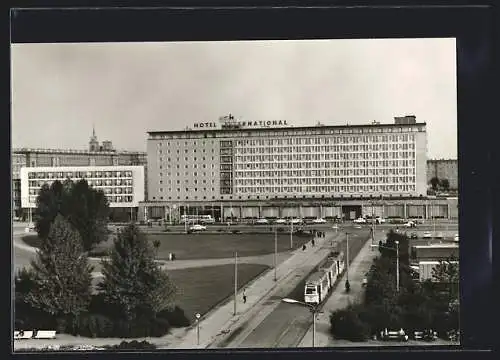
(339,299)
(221,322)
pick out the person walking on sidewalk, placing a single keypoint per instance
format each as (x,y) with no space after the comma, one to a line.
(244,297)
(312,242)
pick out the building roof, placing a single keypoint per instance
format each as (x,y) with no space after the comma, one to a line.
(434,262)
(75,151)
(322,127)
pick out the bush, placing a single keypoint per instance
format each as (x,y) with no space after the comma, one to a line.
(175,318)
(346,325)
(280,230)
(134,345)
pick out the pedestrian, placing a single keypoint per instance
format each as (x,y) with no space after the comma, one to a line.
(244,297)
(170,257)
(304,247)
(312,242)
(173,256)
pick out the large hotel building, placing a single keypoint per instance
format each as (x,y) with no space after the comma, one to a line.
(270,169)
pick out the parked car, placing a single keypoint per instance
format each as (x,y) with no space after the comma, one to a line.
(426,335)
(280,221)
(410,224)
(427,235)
(261,221)
(439,235)
(295,221)
(380,220)
(319,221)
(413,235)
(198,227)
(396,335)
(360,220)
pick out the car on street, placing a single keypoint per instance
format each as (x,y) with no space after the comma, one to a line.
(439,235)
(357,226)
(296,221)
(455,238)
(261,221)
(319,221)
(426,335)
(410,224)
(198,227)
(396,335)
(380,220)
(413,235)
(360,220)
(427,235)
(280,221)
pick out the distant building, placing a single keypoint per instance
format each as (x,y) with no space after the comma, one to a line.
(426,268)
(434,252)
(405,120)
(443,169)
(96,155)
(122,185)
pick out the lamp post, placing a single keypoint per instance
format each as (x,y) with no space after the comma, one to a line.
(397,265)
(314,310)
(198,328)
(291,232)
(347,285)
(235,280)
(275,252)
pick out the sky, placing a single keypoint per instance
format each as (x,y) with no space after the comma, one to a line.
(60,91)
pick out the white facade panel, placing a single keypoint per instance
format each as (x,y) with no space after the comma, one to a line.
(122,185)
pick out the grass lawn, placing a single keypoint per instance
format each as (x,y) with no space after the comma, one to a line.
(207,246)
(201,289)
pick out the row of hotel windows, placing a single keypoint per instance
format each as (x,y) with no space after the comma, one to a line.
(186,174)
(106,182)
(316,173)
(319,149)
(328,140)
(315,180)
(318,157)
(111,199)
(186,189)
(185,159)
(322,189)
(124,190)
(79,174)
(160,151)
(187,181)
(194,166)
(280,133)
(325,165)
(186,143)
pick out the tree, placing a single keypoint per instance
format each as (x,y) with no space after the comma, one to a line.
(434,183)
(61,273)
(133,283)
(445,184)
(346,324)
(85,208)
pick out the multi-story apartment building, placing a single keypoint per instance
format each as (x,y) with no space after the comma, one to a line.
(96,155)
(255,166)
(122,185)
(443,169)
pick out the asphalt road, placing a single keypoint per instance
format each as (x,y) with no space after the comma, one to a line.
(286,324)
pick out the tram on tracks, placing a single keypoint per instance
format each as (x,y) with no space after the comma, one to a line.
(320,283)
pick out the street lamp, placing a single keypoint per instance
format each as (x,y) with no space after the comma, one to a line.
(314,310)
(347,256)
(198,328)
(275,252)
(291,232)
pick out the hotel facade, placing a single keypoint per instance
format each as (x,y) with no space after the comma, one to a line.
(270,169)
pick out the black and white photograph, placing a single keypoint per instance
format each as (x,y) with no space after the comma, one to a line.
(235,194)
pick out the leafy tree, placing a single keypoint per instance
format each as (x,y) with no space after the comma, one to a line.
(445,184)
(346,324)
(61,273)
(434,183)
(87,209)
(133,283)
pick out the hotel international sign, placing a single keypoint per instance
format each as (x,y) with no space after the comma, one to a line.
(229,122)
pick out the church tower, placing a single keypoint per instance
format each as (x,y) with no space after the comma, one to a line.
(93,143)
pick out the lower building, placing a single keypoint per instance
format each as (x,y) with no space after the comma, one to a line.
(347,209)
(122,185)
